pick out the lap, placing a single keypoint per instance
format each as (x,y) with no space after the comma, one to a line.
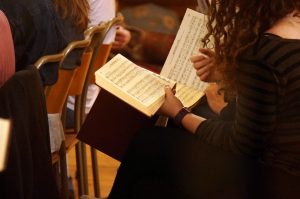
(193,167)
(171,163)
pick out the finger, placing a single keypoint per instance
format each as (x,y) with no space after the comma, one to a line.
(204,76)
(168,91)
(206,51)
(198,57)
(202,63)
(203,70)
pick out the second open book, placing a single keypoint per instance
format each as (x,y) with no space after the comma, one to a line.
(143,89)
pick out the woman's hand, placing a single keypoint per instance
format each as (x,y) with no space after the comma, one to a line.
(215,98)
(171,105)
(122,38)
(204,63)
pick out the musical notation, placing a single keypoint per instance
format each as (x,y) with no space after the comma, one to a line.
(140,83)
(178,66)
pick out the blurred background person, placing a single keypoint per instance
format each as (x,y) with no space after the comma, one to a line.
(36,30)
(74,17)
(7,53)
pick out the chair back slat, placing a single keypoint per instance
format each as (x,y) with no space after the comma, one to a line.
(57,96)
(99,57)
(78,81)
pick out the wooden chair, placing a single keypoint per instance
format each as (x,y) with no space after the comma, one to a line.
(55,99)
(57,156)
(93,34)
(99,55)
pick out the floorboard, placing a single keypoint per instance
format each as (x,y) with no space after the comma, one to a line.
(107,172)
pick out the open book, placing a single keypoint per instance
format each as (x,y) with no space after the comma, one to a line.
(112,123)
(4,140)
(143,89)
(135,85)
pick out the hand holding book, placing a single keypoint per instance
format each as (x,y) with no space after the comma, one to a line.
(125,87)
(204,63)
(139,87)
(143,89)
(171,105)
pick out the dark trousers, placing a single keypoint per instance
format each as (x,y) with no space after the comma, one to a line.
(171,163)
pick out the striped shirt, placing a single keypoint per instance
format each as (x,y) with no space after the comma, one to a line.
(267,122)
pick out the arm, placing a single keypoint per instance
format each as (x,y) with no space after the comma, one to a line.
(171,108)
(204,63)
(255,119)
(215,98)
(255,113)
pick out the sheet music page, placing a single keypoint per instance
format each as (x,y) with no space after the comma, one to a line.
(188,95)
(142,84)
(4,141)
(178,66)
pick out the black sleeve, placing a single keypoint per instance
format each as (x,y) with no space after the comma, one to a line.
(228,112)
(255,115)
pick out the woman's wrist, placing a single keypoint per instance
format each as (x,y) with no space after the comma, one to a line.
(180,115)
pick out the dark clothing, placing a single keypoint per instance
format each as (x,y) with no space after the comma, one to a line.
(29,173)
(169,163)
(203,110)
(71,33)
(228,112)
(36,31)
(267,122)
(255,155)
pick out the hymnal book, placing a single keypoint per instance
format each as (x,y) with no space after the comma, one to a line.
(144,89)
(4,141)
(131,95)
(111,124)
(137,86)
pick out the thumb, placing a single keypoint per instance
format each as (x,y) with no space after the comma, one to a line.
(168,91)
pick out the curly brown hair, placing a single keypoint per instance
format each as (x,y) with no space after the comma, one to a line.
(74,10)
(236,24)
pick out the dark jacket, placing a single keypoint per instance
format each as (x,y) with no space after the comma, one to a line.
(28,174)
(71,33)
(36,30)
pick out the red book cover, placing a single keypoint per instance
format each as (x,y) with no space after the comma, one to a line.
(111,124)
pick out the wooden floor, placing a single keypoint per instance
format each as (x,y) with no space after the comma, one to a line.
(107,171)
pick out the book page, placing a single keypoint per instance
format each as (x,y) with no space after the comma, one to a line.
(4,140)
(178,66)
(124,78)
(188,95)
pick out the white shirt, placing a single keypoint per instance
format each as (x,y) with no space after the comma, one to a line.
(100,11)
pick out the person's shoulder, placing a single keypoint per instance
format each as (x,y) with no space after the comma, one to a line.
(286,28)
